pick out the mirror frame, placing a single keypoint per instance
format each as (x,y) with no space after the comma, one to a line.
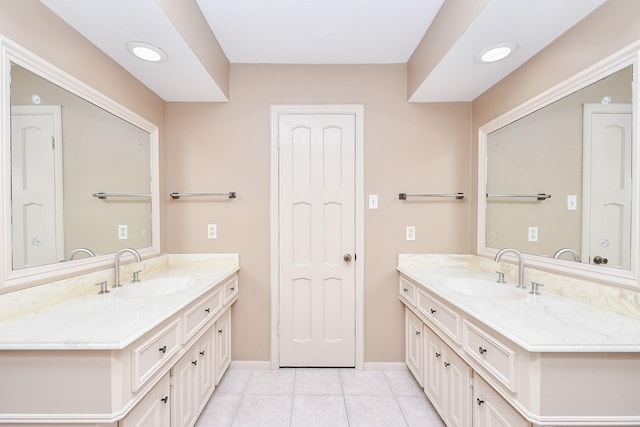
(629,55)
(11,52)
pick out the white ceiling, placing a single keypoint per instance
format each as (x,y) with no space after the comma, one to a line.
(319,32)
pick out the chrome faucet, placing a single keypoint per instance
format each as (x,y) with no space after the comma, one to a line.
(574,254)
(122,251)
(77,251)
(520,263)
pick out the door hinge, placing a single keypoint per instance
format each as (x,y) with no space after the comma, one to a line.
(53,143)
(278,329)
(277,142)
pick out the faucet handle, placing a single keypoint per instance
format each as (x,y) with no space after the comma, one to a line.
(534,288)
(500,277)
(136,279)
(103,287)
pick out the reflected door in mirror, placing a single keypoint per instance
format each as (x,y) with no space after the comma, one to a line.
(36,185)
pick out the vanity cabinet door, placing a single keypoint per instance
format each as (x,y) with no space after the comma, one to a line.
(193,382)
(223,344)
(447,381)
(153,410)
(413,345)
(490,409)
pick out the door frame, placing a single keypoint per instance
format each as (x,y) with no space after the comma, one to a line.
(357,110)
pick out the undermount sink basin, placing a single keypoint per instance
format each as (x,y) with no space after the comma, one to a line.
(154,287)
(485,289)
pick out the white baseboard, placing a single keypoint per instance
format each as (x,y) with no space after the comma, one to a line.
(250,364)
(385,366)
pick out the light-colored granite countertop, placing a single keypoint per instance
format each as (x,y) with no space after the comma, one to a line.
(537,323)
(87,320)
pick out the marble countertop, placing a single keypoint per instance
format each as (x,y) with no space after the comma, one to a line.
(113,321)
(537,323)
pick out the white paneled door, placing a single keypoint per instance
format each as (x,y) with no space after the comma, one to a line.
(316,159)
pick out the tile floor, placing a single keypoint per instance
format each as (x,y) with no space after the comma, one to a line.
(310,397)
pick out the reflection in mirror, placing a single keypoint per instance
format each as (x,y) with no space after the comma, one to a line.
(64,149)
(577,149)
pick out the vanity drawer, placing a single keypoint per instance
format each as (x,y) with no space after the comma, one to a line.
(149,356)
(440,315)
(196,316)
(491,353)
(230,289)
(408,291)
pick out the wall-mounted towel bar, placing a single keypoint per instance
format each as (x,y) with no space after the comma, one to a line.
(539,196)
(403,196)
(231,195)
(103,196)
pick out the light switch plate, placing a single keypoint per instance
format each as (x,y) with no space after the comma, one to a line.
(572,202)
(373,201)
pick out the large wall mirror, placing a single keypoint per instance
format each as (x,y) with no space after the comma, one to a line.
(559,175)
(79,174)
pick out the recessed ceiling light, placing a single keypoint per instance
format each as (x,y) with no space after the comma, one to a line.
(146,51)
(496,52)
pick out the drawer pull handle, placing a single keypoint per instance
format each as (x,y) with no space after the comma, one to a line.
(432,311)
(233,288)
(202,353)
(417,332)
(219,331)
(480,402)
(207,310)
(194,363)
(438,354)
(163,349)
(482,350)
(165,399)
(405,289)
(446,364)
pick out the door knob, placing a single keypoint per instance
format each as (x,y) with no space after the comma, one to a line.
(599,260)
(347,258)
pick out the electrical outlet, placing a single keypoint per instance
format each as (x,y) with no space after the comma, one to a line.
(373,201)
(411,232)
(123,233)
(533,234)
(212,231)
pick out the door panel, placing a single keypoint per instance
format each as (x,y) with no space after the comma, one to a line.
(316,229)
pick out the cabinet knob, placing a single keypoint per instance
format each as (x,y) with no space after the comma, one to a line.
(194,363)
(165,399)
(438,354)
(432,311)
(446,364)
(405,290)
(163,349)
(347,258)
(482,350)
(207,310)
(480,402)
(417,332)
(233,288)
(202,353)
(219,331)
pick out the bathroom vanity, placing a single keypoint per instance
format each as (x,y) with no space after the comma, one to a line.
(149,353)
(489,354)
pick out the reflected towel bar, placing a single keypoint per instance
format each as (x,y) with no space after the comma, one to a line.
(231,195)
(403,196)
(539,196)
(103,196)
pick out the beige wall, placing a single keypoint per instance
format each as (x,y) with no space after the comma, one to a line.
(408,148)
(585,44)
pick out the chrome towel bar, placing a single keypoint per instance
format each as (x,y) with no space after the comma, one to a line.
(403,196)
(539,196)
(103,196)
(231,195)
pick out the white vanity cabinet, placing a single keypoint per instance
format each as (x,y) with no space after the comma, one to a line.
(470,367)
(163,377)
